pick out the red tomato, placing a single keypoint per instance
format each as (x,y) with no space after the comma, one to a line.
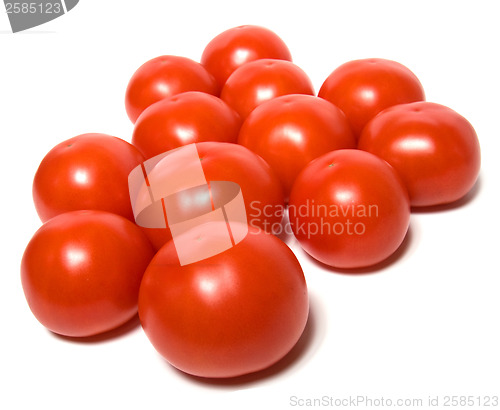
(183,119)
(260,187)
(234,313)
(363,88)
(162,77)
(261,80)
(82,270)
(290,131)
(433,148)
(349,209)
(89,171)
(239,45)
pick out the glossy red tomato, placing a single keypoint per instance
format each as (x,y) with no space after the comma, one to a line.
(290,131)
(434,149)
(261,80)
(363,88)
(163,77)
(349,209)
(234,313)
(82,270)
(89,171)
(239,45)
(260,187)
(184,119)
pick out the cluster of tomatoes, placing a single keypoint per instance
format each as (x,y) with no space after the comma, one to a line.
(346,166)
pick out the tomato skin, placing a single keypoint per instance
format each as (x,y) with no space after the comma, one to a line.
(235,313)
(240,45)
(184,119)
(163,77)
(260,187)
(349,209)
(82,270)
(291,130)
(261,80)
(434,149)
(363,88)
(89,171)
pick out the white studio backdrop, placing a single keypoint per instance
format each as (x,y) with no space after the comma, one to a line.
(424,326)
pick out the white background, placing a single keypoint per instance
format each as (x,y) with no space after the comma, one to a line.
(425,324)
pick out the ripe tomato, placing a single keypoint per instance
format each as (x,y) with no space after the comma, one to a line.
(234,313)
(239,45)
(260,187)
(162,77)
(363,88)
(290,131)
(82,270)
(89,171)
(434,149)
(261,80)
(349,209)
(183,119)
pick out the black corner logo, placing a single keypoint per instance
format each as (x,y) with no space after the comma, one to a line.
(31,13)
